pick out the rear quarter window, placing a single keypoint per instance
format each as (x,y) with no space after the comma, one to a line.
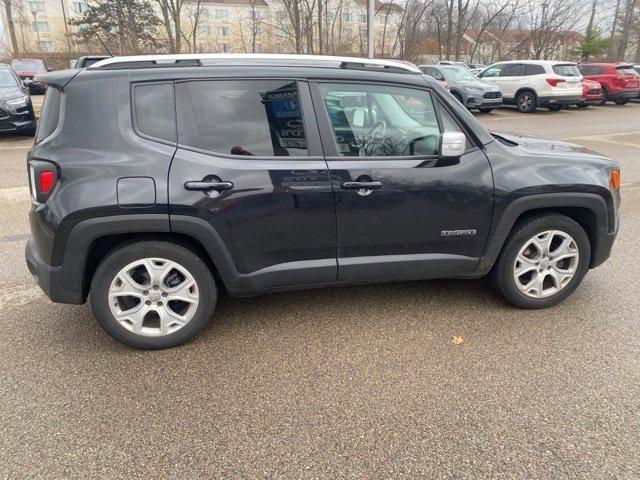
(50,115)
(154,111)
(627,70)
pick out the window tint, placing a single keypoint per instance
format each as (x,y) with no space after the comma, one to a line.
(50,114)
(493,71)
(243,117)
(435,73)
(626,70)
(511,70)
(566,70)
(530,69)
(154,109)
(377,120)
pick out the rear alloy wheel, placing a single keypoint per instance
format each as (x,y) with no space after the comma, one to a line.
(526,102)
(621,101)
(543,261)
(152,294)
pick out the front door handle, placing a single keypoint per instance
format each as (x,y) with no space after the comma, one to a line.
(373,185)
(206,185)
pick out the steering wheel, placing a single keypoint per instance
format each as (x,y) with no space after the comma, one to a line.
(379,129)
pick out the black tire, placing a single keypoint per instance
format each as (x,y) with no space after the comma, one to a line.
(526,102)
(485,109)
(621,101)
(118,258)
(554,108)
(582,105)
(605,96)
(502,275)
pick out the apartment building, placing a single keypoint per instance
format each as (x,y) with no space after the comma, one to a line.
(219,26)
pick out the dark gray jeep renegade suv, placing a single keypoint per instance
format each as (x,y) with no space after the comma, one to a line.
(158,181)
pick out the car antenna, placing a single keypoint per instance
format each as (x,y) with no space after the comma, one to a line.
(103,44)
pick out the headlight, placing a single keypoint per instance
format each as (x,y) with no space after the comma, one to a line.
(472,89)
(17,102)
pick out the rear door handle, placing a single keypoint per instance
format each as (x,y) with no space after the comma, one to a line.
(205,186)
(373,185)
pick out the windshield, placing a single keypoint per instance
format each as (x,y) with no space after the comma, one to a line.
(28,65)
(7,80)
(567,70)
(457,74)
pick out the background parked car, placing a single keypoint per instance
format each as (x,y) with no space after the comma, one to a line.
(620,81)
(591,93)
(532,83)
(16,111)
(467,88)
(88,60)
(27,68)
(476,68)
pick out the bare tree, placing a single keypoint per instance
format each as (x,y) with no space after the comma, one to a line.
(11,26)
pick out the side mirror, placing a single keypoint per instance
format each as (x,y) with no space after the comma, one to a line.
(359,118)
(453,144)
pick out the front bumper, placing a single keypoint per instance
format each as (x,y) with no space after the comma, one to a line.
(62,284)
(16,120)
(477,100)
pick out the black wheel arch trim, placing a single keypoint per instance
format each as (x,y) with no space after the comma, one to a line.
(606,229)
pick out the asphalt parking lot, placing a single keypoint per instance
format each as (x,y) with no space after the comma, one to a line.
(356,382)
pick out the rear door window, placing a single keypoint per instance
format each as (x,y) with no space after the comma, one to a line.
(568,70)
(50,114)
(533,70)
(241,117)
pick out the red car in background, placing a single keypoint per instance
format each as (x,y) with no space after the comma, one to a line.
(591,93)
(620,82)
(26,69)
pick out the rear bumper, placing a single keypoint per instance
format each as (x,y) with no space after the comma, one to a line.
(62,284)
(560,100)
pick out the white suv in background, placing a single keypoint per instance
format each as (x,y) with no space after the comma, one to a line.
(536,83)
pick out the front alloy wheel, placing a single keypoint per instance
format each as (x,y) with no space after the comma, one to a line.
(546,264)
(526,102)
(543,261)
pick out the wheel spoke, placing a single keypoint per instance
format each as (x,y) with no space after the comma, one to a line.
(524,265)
(127,287)
(183,292)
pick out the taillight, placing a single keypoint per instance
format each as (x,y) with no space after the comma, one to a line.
(47,181)
(43,177)
(555,81)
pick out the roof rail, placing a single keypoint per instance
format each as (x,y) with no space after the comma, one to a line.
(248,59)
